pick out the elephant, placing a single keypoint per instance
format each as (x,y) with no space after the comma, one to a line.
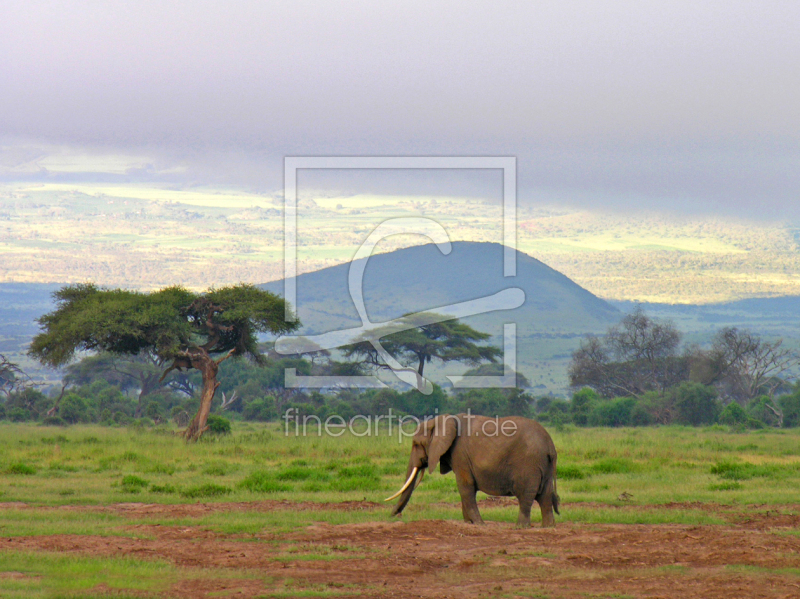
(500,456)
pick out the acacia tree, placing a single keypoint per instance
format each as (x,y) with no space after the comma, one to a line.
(12,377)
(639,355)
(181,328)
(447,341)
(742,365)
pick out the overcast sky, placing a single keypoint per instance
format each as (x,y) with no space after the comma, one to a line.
(690,106)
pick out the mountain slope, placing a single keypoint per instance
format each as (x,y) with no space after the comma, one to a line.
(421,278)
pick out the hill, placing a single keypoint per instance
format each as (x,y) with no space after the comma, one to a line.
(555,313)
(421,278)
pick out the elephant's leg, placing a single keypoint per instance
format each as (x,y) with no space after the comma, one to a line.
(546,504)
(469,506)
(525,503)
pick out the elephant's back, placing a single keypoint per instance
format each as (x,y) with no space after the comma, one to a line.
(534,442)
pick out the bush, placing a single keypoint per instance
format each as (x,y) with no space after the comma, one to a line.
(301,472)
(759,409)
(581,406)
(74,409)
(167,489)
(734,415)
(642,415)
(216,469)
(696,404)
(260,410)
(218,425)
(18,414)
(726,486)
(263,482)
(20,468)
(741,471)
(790,405)
(570,472)
(53,421)
(614,466)
(133,484)
(154,412)
(615,412)
(207,490)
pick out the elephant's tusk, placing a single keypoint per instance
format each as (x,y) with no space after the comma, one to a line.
(405,486)
(421,476)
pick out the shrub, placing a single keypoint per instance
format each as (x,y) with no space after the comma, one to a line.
(581,406)
(207,490)
(153,411)
(260,410)
(734,415)
(53,421)
(614,466)
(695,404)
(167,489)
(218,425)
(570,472)
(746,471)
(759,409)
(20,468)
(216,469)
(790,405)
(726,486)
(133,484)
(74,409)
(615,412)
(301,472)
(18,414)
(263,482)
(641,415)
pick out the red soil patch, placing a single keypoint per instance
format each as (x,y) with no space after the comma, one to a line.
(750,557)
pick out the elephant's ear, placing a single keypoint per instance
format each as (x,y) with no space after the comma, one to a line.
(443,434)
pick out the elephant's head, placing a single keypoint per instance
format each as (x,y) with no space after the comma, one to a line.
(431,441)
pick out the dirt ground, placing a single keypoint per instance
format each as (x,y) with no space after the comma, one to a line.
(756,554)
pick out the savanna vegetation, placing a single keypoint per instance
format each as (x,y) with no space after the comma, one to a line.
(133,504)
(100,497)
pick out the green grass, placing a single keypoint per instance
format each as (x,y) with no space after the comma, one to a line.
(15,522)
(41,574)
(69,474)
(44,574)
(92,465)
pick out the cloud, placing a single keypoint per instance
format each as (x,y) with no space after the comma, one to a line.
(683,104)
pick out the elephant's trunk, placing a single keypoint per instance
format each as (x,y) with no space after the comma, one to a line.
(407,490)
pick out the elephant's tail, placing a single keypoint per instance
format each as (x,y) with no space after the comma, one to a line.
(553,458)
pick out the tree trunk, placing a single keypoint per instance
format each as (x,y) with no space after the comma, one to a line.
(421,364)
(208,368)
(149,383)
(52,411)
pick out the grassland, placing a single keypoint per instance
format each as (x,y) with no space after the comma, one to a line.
(151,237)
(90,465)
(97,511)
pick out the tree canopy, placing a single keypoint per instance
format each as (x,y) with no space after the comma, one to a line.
(12,377)
(639,355)
(175,325)
(447,341)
